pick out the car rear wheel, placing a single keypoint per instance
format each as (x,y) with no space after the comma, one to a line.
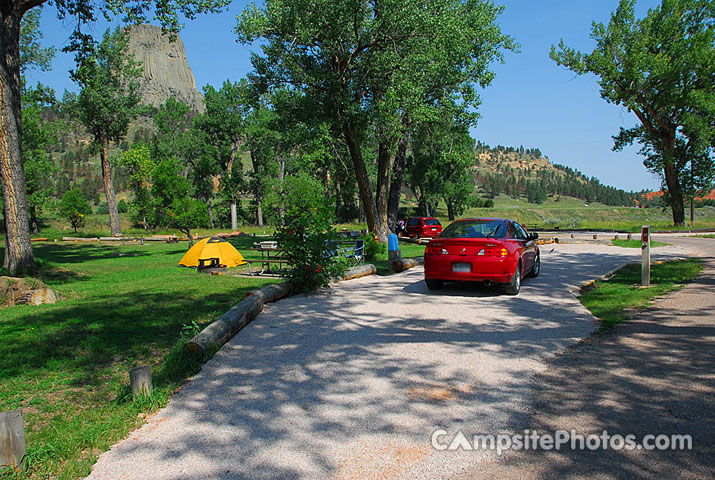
(537,266)
(513,287)
(434,284)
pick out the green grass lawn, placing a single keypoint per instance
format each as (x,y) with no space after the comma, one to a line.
(611,300)
(66,365)
(635,243)
(408,250)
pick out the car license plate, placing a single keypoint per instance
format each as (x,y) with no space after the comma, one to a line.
(434,229)
(462,267)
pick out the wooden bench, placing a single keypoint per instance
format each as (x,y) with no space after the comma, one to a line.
(265,263)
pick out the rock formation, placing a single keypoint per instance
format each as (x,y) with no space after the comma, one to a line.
(166,69)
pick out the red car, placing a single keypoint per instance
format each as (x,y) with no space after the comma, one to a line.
(422,227)
(488,250)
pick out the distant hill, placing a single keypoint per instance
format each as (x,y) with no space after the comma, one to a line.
(526,172)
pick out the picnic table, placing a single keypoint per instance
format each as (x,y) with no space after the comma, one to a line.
(267,249)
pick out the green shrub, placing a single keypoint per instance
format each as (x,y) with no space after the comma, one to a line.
(306,235)
(122,206)
(373,247)
(102,209)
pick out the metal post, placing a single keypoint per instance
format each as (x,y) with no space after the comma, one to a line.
(645,260)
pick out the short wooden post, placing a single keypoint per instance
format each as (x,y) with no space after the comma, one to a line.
(12,439)
(572,235)
(141,240)
(595,237)
(616,237)
(629,236)
(140,380)
(645,257)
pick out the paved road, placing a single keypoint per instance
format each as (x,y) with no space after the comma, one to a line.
(351,383)
(654,374)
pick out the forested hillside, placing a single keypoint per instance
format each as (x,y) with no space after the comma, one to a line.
(520,172)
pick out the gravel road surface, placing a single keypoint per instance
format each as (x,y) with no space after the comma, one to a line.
(651,375)
(351,383)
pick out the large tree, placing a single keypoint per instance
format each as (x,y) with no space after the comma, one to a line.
(108,101)
(223,122)
(19,249)
(661,68)
(365,65)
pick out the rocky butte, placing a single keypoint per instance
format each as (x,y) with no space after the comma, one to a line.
(166,69)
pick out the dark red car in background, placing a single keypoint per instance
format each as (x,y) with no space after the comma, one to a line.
(419,227)
(488,250)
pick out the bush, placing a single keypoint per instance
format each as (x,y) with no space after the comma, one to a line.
(306,235)
(122,206)
(74,207)
(102,209)
(373,247)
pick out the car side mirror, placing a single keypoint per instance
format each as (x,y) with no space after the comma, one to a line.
(532,236)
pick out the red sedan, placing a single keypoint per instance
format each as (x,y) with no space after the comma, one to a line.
(488,250)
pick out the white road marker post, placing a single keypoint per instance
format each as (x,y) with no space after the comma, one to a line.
(645,260)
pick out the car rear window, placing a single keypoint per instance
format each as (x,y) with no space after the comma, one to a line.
(432,221)
(476,229)
(413,221)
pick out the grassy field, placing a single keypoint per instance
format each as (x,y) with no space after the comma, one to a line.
(634,243)
(569,213)
(612,300)
(66,365)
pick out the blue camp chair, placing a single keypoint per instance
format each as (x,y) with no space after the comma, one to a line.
(355,254)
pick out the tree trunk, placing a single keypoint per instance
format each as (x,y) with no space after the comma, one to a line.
(281,191)
(211,213)
(6,260)
(144,222)
(381,194)
(393,203)
(337,201)
(450,211)
(234,215)
(671,180)
(18,251)
(109,187)
(362,178)
(34,227)
(257,189)
(692,210)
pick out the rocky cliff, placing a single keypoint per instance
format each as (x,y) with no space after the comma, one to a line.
(166,69)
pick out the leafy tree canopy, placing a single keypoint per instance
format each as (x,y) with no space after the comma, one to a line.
(661,68)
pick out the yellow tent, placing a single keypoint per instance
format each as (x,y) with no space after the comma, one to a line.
(212,247)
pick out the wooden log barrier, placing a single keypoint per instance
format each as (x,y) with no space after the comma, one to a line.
(12,439)
(269,293)
(407,263)
(360,271)
(140,380)
(79,239)
(227,325)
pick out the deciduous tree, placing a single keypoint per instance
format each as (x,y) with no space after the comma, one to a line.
(368,64)
(108,101)
(19,250)
(661,68)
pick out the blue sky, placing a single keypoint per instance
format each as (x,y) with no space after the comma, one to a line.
(532,101)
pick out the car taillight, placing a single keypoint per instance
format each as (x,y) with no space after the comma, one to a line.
(436,251)
(493,252)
